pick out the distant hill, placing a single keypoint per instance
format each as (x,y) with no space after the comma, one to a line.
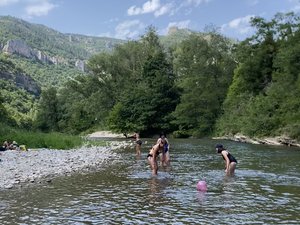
(41,51)
(64,47)
(33,57)
(51,57)
(19,92)
(175,35)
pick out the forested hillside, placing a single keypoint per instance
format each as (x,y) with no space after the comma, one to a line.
(50,57)
(264,97)
(34,56)
(193,84)
(18,96)
(139,87)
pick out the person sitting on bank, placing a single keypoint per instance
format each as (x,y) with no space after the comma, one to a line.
(230,161)
(4,146)
(14,146)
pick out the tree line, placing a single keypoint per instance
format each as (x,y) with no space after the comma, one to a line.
(205,85)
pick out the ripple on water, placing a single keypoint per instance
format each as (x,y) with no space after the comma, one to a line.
(126,193)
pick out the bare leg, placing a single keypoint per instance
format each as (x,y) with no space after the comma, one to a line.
(232,167)
(138,150)
(167,158)
(163,158)
(153,165)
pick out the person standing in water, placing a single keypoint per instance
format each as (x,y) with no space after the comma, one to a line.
(230,161)
(138,143)
(165,154)
(152,156)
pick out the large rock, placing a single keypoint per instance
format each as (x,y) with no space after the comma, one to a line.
(23,81)
(19,47)
(79,64)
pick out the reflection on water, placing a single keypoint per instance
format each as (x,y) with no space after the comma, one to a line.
(264,190)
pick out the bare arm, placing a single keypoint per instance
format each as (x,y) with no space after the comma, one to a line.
(227,161)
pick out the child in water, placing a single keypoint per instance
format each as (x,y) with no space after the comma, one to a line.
(230,161)
(165,154)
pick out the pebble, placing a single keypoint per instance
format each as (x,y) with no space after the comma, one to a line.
(34,165)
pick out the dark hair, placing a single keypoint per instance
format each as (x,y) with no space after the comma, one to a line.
(219,148)
(162,134)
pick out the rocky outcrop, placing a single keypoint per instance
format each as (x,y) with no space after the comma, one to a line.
(79,64)
(24,81)
(45,59)
(279,140)
(20,48)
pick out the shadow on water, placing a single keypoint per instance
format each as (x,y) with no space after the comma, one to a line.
(264,190)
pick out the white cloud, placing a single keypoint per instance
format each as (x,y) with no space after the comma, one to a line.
(39,8)
(163,10)
(239,25)
(151,6)
(296,7)
(7,2)
(148,7)
(189,5)
(195,2)
(180,24)
(129,29)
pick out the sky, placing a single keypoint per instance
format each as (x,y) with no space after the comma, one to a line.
(129,19)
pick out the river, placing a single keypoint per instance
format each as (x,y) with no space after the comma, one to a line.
(264,190)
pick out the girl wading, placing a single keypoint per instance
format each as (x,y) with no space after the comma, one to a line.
(230,161)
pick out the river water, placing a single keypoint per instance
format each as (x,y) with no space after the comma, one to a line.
(264,190)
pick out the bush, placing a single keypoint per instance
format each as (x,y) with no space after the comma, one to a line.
(38,139)
(181,134)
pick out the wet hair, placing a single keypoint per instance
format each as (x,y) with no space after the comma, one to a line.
(220,148)
(162,134)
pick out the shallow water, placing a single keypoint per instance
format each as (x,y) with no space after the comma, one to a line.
(264,190)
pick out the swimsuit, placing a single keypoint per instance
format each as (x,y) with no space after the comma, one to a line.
(166,148)
(139,142)
(230,157)
(150,155)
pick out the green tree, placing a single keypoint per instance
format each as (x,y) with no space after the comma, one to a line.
(263,99)
(146,105)
(205,71)
(47,114)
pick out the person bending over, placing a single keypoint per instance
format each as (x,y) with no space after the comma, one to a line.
(152,157)
(230,161)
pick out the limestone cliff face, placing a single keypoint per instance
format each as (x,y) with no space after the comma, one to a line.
(22,80)
(20,48)
(79,64)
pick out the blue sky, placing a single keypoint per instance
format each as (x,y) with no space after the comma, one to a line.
(128,19)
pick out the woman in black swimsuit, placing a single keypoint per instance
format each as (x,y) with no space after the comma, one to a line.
(152,157)
(230,161)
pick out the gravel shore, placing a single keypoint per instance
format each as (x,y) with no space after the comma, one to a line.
(36,165)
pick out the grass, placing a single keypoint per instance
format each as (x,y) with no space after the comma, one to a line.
(40,140)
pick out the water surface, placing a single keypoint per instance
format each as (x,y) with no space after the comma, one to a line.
(264,190)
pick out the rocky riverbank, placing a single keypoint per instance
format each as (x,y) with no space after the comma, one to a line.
(37,165)
(280,140)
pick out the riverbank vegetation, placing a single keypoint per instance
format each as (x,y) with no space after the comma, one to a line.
(205,85)
(33,139)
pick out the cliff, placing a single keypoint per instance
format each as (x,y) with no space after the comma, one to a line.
(22,80)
